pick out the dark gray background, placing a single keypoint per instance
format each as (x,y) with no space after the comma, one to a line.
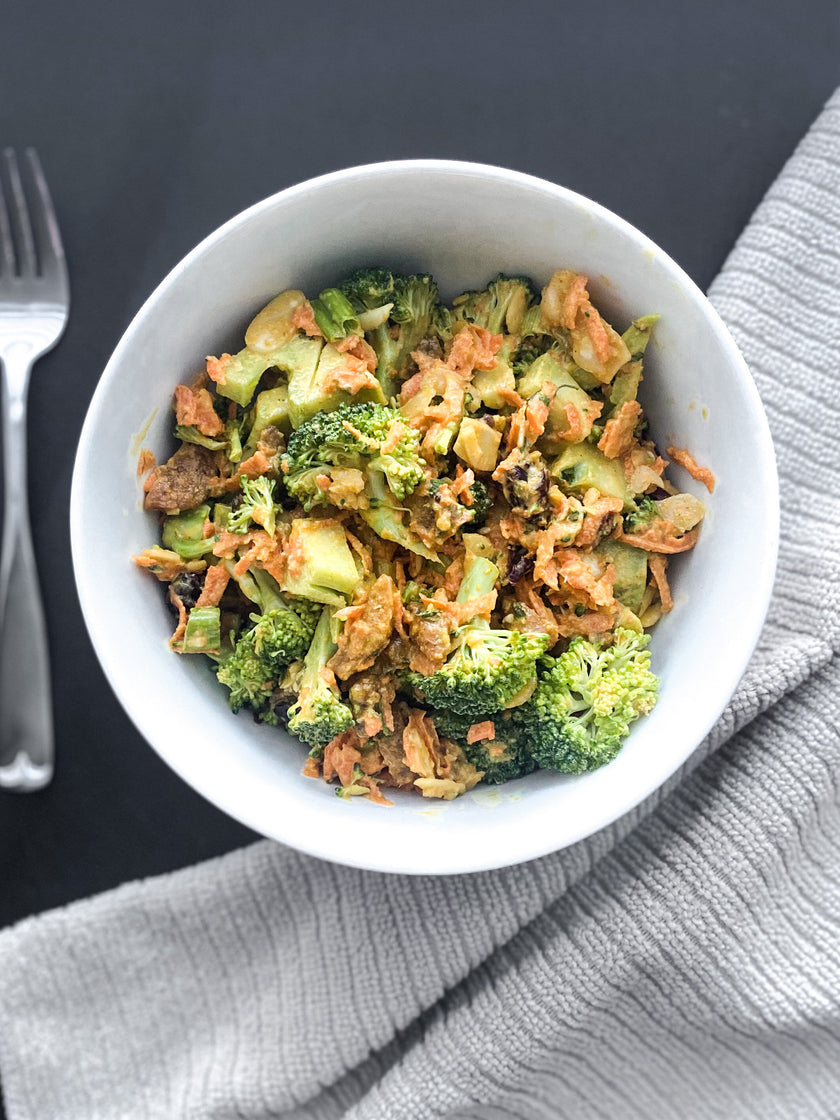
(156,122)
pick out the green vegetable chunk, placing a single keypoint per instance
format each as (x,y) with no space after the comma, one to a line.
(581,465)
(488,667)
(319,714)
(280,633)
(203,632)
(321,565)
(631,572)
(184,533)
(504,757)
(352,436)
(586,700)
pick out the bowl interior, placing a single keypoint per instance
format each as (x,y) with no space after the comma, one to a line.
(462,223)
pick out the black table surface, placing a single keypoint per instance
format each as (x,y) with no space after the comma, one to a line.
(156,122)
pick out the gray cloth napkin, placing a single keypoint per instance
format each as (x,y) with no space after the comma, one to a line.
(684,962)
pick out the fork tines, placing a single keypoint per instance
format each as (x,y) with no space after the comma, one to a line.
(30,243)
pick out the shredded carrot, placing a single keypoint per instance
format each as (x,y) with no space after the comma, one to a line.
(359,349)
(312,767)
(194,408)
(575,298)
(536,412)
(215,582)
(303,317)
(661,536)
(216,367)
(463,481)
(341,755)
(479,731)
(657,564)
(459,613)
(617,438)
(361,551)
(145,462)
(181,628)
(597,333)
(376,795)
(352,377)
(395,433)
(701,474)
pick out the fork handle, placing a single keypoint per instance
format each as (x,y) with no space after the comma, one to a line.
(27,743)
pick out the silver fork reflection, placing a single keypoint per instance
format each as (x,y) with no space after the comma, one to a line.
(34,302)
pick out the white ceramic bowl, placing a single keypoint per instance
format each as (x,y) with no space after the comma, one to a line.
(463,223)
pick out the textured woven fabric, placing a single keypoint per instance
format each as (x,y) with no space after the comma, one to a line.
(684,962)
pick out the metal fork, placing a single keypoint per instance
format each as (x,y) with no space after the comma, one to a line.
(34,302)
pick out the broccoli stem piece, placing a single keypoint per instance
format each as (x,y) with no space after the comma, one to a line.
(184,533)
(279,636)
(334,314)
(385,517)
(319,714)
(324,568)
(203,632)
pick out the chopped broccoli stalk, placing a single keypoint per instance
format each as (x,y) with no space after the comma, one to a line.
(581,466)
(257,506)
(184,533)
(319,714)
(492,387)
(554,368)
(352,436)
(386,517)
(320,564)
(188,433)
(488,667)
(278,637)
(631,572)
(271,409)
(626,384)
(637,335)
(413,317)
(202,633)
(313,387)
(586,700)
(334,314)
(502,758)
(500,307)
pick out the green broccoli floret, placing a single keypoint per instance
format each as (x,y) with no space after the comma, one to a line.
(585,701)
(278,636)
(368,288)
(479,504)
(641,516)
(488,667)
(500,307)
(502,758)
(319,714)
(257,505)
(416,314)
(351,437)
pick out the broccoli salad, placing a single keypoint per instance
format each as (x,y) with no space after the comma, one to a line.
(426,539)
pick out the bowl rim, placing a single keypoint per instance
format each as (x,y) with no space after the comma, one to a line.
(531,846)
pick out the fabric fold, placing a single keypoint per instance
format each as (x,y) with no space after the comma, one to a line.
(684,962)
